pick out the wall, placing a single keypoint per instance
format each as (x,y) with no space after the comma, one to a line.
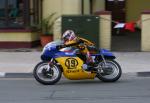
(145,36)
(105,30)
(50,6)
(71,6)
(18,39)
(86,6)
(135,7)
(61,7)
(98,5)
(18,36)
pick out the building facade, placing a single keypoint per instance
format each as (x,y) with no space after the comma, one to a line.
(17,17)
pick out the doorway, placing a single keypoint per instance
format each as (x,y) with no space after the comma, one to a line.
(122,40)
(117,8)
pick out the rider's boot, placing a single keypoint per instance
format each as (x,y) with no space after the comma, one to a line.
(90,66)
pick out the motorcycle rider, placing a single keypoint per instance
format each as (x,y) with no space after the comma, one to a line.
(70,39)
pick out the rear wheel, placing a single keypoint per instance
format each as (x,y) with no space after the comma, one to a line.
(47,75)
(111,71)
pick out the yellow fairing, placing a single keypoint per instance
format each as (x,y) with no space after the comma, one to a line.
(72,68)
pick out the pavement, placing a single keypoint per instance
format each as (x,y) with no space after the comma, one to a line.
(21,62)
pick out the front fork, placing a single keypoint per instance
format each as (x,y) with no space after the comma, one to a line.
(106,69)
(49,66)
(103,59)
(50,63)
(100,68)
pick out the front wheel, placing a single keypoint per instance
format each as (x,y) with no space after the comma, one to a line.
(111,71)
(47,75)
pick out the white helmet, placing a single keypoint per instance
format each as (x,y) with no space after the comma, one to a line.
(68,35)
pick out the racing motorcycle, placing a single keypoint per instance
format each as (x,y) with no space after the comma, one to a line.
(70,62)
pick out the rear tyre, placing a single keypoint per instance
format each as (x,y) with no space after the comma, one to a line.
(113,75)
(47,76)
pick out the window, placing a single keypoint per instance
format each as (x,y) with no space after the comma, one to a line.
(2,12)
(35,11)
(19,13)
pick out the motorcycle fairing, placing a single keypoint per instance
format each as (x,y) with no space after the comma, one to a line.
(49,53)
(105,53)
(72,68)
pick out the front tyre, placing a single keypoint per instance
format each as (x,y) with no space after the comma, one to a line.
(111,75)
(47,75)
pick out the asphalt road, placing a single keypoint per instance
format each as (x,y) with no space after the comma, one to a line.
(129,89)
